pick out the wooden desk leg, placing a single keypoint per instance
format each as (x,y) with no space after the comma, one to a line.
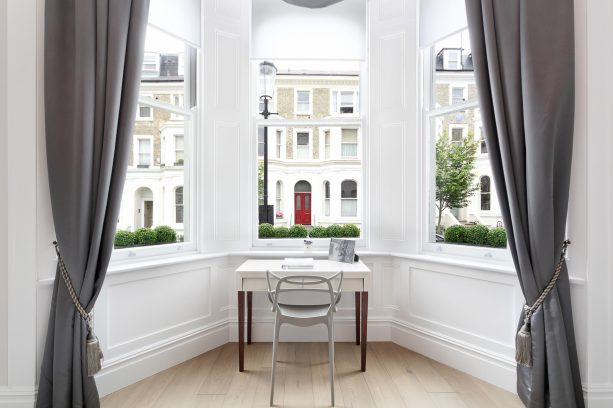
(241,330)
(249,306)
(357,318)
(364,324)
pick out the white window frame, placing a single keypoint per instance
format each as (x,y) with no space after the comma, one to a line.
(310,91)
(279,139)
(461,126)
(176,150)
(357,200)
(327,147)
(191,172)
(295,146)
(149,73)
(144,118)
(177,205)
(174,116)
(335,108)
(359,121)
(446,53)
(260,156)
(279,204)
(357,144)
(136,150)
(464,92)
(495,256)
(327,209)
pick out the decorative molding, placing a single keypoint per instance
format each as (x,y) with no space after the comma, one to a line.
(228,45)
(17,397)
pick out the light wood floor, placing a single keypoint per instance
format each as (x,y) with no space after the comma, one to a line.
(394,377)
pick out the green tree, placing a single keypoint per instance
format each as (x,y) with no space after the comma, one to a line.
(455,173)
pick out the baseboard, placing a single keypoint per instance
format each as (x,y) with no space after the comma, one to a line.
(17,397)
(598,396)
(128,369)
(489,367)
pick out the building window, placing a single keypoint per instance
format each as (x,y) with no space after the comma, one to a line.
(349,198)
(453,141)
(279,198)
(303,150)
(144,152)
(278,144)
(303,102)
(326,198)
(144,112)
(162,143)
(457,134)
(179,150)
(343,102)
(486,195)
(457,94)
(179,205)
(349,143)
(327,144)
(260,142)
(302,145)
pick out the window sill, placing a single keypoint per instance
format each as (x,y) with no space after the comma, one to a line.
(505,267)
(132,265)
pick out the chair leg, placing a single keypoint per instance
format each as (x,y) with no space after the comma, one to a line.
(331,356)
(275,348)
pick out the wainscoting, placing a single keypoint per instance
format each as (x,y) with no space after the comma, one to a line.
(152,318)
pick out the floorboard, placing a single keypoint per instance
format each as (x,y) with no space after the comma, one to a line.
(395,377)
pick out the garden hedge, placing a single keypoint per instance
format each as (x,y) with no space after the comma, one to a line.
(476,235)
(124,239)
(145,236)
(165,234)
(300,231)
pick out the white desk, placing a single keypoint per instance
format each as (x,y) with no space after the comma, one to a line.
(251,277)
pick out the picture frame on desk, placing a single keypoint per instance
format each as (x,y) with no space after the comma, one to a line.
(341,250)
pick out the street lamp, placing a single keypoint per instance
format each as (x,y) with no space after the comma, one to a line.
(267,74)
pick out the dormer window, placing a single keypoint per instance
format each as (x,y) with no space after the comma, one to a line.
(452,59)
(151,64)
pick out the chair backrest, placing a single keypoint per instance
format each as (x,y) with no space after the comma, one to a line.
(297,284)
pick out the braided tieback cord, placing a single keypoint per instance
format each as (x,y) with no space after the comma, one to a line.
(93,351)
(523,340)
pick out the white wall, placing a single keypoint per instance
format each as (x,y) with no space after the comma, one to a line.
(3,197)
(313,32)
(416,299)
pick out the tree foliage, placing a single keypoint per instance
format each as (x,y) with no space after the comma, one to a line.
(455,173)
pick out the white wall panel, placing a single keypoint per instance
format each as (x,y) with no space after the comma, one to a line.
(227,182)
(3,197)
(391,181)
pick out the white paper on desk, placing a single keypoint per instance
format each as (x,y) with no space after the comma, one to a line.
(298,263)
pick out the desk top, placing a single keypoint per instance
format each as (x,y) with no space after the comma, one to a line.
(256,269)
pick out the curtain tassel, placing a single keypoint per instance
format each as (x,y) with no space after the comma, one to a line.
(523,344)
(94,354)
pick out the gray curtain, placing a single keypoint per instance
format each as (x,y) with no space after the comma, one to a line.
(523,53)
(93,57)
(312,3)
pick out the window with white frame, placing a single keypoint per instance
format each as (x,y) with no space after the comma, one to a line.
(307,177)
(160,162)
(279,200)
(303,102)
(455,143)
(302,145)
(349,143)
(349,198)
(279,142)
(326,198)
(179,150)
(144,151)
(179,205)
(343,102)
(457,94)
(261,144)
(327,144)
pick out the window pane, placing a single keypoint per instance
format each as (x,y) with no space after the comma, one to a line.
(349,207)
(452,74)
(349,189)
(261,141)
(303,159)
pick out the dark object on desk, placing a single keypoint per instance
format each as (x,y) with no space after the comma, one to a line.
(341,250)
(356,258)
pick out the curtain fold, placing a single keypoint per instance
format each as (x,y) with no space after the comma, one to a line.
(523,54)
(93,58)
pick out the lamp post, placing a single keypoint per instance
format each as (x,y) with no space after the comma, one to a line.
(267,74)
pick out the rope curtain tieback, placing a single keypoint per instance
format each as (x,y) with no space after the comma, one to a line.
(523,339)
(92,345)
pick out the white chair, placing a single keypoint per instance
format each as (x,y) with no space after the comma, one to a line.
(303,314)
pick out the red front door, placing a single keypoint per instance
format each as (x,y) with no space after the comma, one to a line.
(302,208)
